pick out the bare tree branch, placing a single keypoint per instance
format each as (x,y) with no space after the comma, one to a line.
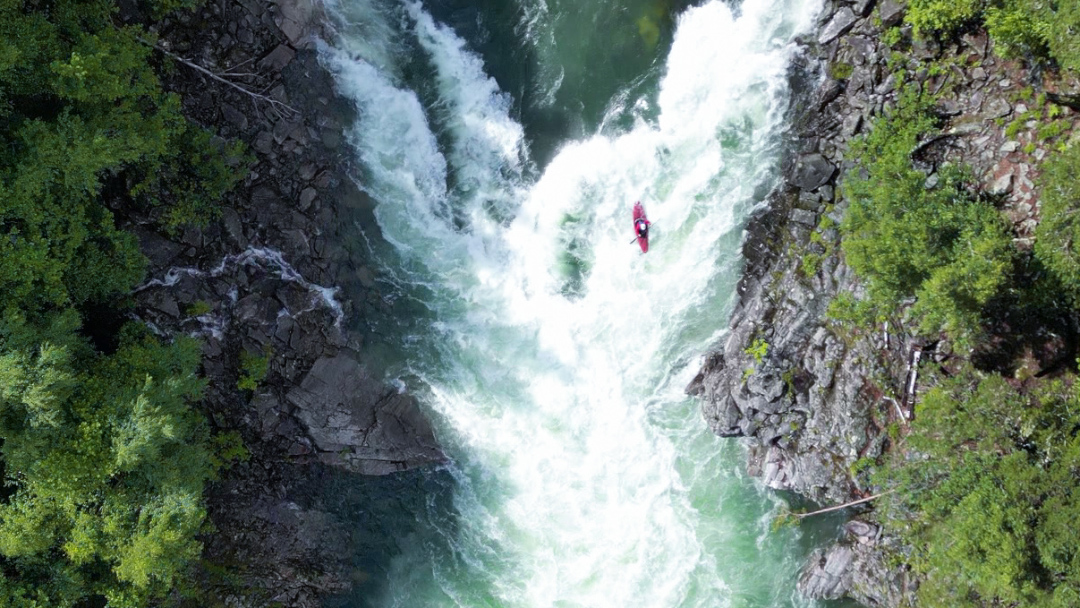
(843,506)
(282,109)
(237,66)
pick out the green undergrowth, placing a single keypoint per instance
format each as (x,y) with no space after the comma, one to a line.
(982,484)
(1020,28)
(942,245)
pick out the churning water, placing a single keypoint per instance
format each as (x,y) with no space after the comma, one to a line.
(504,144)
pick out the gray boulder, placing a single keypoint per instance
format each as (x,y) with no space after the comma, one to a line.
(811,171)
(858,567)
(840,24)
(359,423)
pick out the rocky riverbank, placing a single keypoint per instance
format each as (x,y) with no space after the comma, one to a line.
(265,287)
(813,400)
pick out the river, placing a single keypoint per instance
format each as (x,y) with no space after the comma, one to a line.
(504,143)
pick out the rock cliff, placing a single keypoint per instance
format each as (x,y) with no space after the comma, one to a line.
(265,288)
(811,399)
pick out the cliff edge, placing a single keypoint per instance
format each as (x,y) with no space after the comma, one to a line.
(813,401)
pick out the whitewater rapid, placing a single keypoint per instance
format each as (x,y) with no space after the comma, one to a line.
(552,354)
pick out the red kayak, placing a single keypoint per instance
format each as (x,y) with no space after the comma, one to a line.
(641,227)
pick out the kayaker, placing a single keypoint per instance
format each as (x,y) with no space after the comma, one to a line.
(643,228)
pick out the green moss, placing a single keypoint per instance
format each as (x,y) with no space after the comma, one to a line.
(253,369)
(198,308)
(841,70)
(757,349)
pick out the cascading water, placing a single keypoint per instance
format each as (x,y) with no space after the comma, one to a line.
(552,353)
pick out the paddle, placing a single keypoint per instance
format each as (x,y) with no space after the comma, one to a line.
(638,237)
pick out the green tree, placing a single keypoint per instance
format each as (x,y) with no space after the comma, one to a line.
(988,495)
(105,457)
(103,454)
(940,244)
(1057,237)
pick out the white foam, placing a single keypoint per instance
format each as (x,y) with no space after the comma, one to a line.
(269,259)
(572,494)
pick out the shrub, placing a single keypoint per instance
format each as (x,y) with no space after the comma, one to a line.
(930,16)
(1057,237)
(757,350)
(840,70)
(1061,33)
(253,369)
(989,505)
(1020,28)
(942,245)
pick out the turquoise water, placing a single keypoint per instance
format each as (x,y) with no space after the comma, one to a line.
(504,144)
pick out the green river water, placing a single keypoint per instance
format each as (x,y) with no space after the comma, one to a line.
(503,143)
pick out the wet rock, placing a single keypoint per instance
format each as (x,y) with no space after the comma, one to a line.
(360,425)
(998,108)
(766,385)
(264,143)
(1002,185)
(858,567)
(862,7)
(163,302)
(802,216)
(158,249)
(234,117)
(830,576)
(284,129)
(839,25)
(277,59)
(306,197)
(891,12)
(864,50)
(231,219)
(812,171)
(296,19)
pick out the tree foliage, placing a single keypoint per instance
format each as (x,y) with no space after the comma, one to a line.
(1057,237)
(937,243)
(984,488)
(989,502)
(84,119)
(1024,28)
(104,457)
